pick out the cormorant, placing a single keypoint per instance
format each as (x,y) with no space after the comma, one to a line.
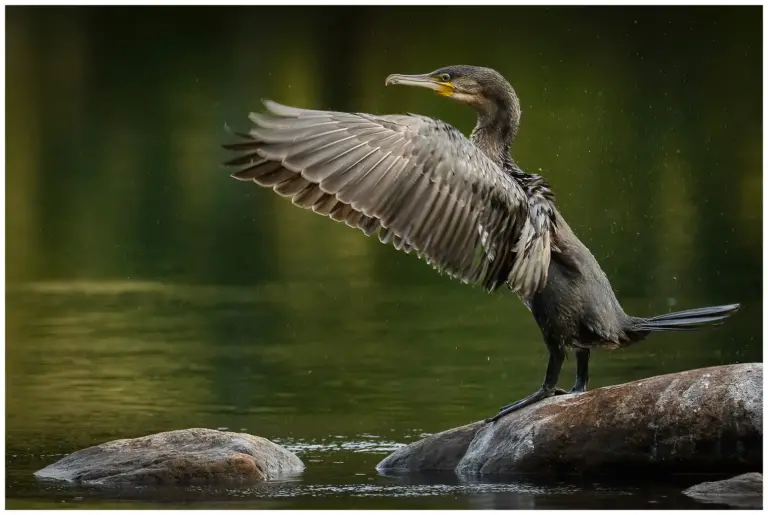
(462,204)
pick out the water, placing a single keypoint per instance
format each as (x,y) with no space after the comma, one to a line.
(147,291)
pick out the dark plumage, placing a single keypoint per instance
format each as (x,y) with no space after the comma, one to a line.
(461,204)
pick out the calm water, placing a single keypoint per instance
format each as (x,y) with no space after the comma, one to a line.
(147,291)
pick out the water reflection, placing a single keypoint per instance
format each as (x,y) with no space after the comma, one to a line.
(148,291)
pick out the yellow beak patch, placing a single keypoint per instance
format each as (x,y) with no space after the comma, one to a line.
(446,89)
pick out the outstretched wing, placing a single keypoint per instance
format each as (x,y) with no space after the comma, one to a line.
(416,181)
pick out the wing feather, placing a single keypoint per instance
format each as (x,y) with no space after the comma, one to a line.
(418,182)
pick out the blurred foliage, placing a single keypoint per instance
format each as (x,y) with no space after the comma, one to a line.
(149,291)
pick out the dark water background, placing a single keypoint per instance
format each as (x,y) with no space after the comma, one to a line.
(147,291)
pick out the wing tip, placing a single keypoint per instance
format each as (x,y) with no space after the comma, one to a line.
(280,109)
(241,176)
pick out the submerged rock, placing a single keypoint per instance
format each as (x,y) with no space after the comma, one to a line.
(744,491)
(186,456)
(705,420)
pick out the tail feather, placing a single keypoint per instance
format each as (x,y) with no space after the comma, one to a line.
(687,320)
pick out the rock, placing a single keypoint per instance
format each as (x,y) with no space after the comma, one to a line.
(442,451)
(704,420)
(186,456)
(744,491)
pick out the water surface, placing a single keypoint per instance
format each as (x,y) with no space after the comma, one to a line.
(147,291)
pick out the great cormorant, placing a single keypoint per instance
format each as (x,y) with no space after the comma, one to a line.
(462,204)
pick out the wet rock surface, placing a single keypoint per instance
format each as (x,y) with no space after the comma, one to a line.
(698,421)
(187,456)
(744,491)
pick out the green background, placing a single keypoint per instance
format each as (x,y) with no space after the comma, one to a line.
(148,291)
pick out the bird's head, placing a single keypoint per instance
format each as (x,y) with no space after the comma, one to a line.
(484,89)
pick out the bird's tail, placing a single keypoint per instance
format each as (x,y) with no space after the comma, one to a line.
(686,320)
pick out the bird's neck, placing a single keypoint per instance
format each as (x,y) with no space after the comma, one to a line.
(496,128)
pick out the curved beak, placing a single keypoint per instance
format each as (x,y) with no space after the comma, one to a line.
(421,81)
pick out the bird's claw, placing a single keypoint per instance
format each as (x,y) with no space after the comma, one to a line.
(535,397)
(556,391)
(578,389)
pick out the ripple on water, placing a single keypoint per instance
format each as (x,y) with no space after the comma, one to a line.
(396,490)
(362,443)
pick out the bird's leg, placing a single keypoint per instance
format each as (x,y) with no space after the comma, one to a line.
(548,389)
(582,371)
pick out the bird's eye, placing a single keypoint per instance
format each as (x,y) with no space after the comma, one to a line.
(444,77)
